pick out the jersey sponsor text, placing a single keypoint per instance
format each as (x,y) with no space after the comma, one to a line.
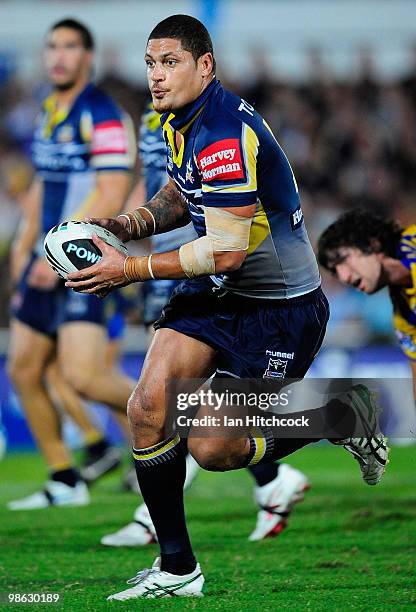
(221,160)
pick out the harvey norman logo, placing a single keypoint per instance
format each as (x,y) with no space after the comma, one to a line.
(209,160)
(221,160)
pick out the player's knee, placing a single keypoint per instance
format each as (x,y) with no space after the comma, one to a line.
(81,380)
(142,410)
(212,455)
(23,371)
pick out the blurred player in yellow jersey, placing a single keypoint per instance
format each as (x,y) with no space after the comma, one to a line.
(369,252)
(83,151)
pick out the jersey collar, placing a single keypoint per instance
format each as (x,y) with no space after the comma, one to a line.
(56,116)
(186,115)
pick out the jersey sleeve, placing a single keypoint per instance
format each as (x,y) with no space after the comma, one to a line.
(407,342)
(227,164)
(111,136)
(407,247)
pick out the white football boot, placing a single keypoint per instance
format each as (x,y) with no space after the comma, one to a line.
(141,531)
(55,493)
(371,450)
(138,533)
(276,500)
(192,469)
(153,583)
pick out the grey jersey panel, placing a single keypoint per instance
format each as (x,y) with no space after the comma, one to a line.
(282,265)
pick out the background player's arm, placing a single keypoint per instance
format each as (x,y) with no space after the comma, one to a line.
(28,231)
(41,274)
(137,196)
(108,197)
(112,158)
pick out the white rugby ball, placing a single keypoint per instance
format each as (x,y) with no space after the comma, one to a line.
(69,246)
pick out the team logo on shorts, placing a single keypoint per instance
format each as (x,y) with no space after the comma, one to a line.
(276,368)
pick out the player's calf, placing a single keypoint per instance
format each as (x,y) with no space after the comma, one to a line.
(218,454)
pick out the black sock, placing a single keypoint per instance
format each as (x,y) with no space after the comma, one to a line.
(160,473)
(263,473)
(97,448)
(69,476)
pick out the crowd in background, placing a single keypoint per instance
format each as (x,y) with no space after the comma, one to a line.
(350,142)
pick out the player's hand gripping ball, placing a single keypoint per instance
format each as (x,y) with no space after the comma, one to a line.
(70,246)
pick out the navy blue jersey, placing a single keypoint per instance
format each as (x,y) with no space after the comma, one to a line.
(70,146)
(221,152)
(152,151)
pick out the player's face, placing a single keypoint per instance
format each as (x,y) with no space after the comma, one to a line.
(67,61)
(361,270)
(174,77)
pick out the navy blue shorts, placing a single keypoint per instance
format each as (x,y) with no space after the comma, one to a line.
(46,310)
(156,295)
(255,338)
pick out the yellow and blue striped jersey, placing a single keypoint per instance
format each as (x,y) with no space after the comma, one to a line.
(70,146)
(404,298)
(221,152)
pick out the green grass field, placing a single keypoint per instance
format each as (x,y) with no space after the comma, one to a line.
(348,546)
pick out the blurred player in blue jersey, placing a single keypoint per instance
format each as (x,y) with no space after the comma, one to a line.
(251,305)
(83,151)
(369,252)
(281,482)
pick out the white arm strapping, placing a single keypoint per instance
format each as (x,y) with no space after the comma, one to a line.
(225,232)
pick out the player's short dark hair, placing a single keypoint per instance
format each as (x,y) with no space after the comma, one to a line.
(191,32)
(361,229)
(72,24)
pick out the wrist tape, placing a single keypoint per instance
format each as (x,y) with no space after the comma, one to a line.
(140,226)
(138,268)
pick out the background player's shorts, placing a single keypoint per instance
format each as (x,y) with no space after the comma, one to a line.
(254,338)
(156,295)
(116,326)
(46,310)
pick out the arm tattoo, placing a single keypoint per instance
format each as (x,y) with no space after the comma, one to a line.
(169,209)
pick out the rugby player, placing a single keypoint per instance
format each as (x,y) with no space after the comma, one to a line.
(252,288)
(83,152)
(369,252)
(288,484)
